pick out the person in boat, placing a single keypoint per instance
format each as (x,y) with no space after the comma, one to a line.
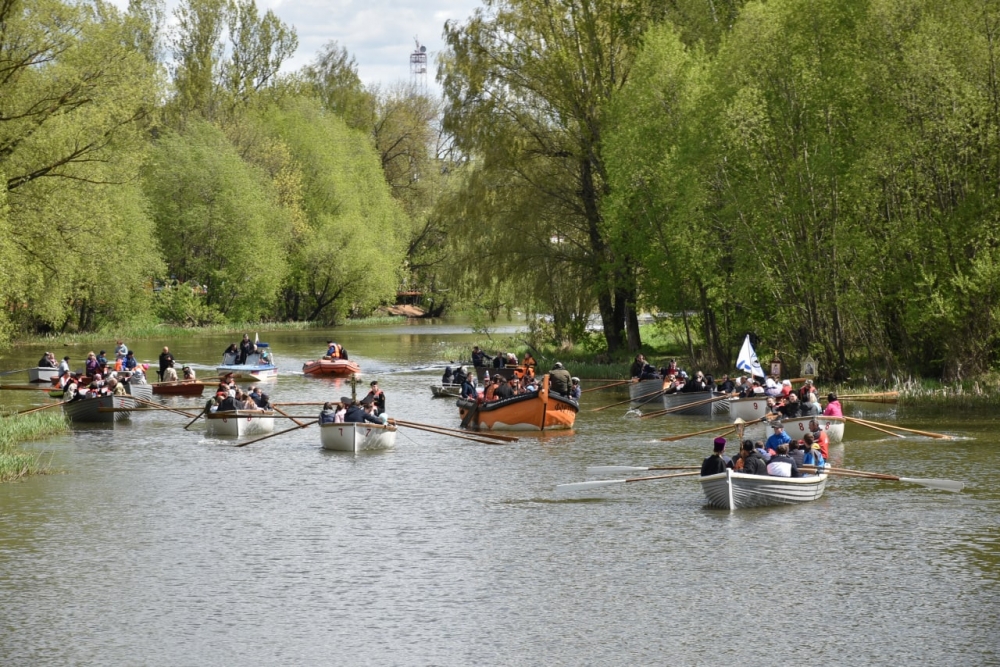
(786,388)
(468,390)
(505,388)
(138,374)
(130,362)
(695,384)
(777,438)
(335,350)
(448,377)
(247,347)
(813,456)
(753,462)
(771,388)
(810,407)
(232,354)
(833,407)
(47,361)
(328,415)
(247,402)
(116,387)
(648,372)
(727,386)
(635,370)
(529,364)
(797,450)
(64,365)
(265,402)
(228,403)
(121,350)
(102,362)
(255,395)
(675,383)
(188,373)
(715,463)
(490,392)
(530,384)
(791,407)
(166,359)
(574,391)
(169,373)
(377,397)
(498,360)
(820,437)
(460,375)
(781,464)
(356,415)
(559,379)
(479,357)
(90,365)
(341,410)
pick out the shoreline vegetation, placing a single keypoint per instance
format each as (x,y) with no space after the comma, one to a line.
(15,462)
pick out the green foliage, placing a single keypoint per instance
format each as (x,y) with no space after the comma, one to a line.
(185,305)
(16,463)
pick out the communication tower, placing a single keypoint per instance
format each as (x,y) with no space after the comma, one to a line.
(418,66)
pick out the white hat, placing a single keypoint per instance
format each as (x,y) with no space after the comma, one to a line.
(770,383)
(788,382)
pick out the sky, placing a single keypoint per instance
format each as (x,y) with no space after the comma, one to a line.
(378,33)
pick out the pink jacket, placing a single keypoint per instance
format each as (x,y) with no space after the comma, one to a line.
(833,409)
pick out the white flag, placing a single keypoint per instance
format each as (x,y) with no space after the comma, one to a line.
(747,361)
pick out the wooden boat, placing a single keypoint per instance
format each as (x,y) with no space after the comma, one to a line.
(179,388)
(446,390)
(355,437)
(678,399)
(259,365)
(239,422)
(535,411)
(86,410)
(734,490)
(335,367)
(143,391)
(42,374)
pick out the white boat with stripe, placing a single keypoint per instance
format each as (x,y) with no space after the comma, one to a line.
(357,437)
(239,423)
(735,490)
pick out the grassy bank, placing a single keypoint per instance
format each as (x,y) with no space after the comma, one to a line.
(146,331)
(16,463)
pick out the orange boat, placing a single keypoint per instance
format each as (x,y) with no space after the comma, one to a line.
(327,366)
(535,411)
(181,388)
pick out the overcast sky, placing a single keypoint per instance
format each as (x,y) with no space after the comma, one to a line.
(378,33)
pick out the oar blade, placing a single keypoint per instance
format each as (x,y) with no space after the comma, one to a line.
(613,470)
(586,486)
(940,484)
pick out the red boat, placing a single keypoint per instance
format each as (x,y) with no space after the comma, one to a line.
(181,388)
(335,367)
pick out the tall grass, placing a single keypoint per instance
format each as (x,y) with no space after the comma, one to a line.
(16,463)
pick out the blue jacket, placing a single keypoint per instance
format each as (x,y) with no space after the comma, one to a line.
(777,439)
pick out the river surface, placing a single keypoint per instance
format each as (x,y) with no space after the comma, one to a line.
(152,545)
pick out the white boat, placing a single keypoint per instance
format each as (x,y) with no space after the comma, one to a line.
(834,427)
(644,392)
(239,423)
(357,437)
(258,366)
(734,490)
(678,399)
(42,374)
(89,410)
(446,390)
(748,409)
(143,391)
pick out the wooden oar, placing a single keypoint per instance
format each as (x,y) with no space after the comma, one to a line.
(271,435)
(940,436)
(607,386)
(650,396)
(305,403)
(884,397)
(584,486)
(874,428)
(44,407)
(679,408)
(610,470)
(460,436)
(190,423)
(160,407)
(285,414)
(482,434)
(675,438)
(940,484)
(22,370)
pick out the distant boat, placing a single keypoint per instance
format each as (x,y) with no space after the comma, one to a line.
(446,390)
(239,422)
(539,410)
(179,388)
(735,490)
(357,437)
(99,410)
(42,374)
(143,391)
(334,367)
(259,365)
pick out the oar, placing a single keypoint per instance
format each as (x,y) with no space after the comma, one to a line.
(26,387)
(940,436)
(159,407)
(584,486)
(675,438)
(44,407)
(453,435)
(874,428)
(611,470)
(285,414)
(22,370)
(271,435)
(679,408)
(607,386)
(884,397)
(195,419)
(650,396)
(495,436)
(940,484)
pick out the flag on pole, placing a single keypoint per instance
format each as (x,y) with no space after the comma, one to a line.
(747,361)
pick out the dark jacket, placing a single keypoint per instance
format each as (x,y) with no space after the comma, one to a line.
(504,391)
(357,414)
(479,359)
(713,465)
(165,359)
(468,390)
(327,416)
(45,363)
(754,464)
(559,381)
(228,404)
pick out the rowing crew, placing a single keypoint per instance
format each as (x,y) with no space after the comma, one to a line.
(780,456)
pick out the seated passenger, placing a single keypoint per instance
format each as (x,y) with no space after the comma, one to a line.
(782,465)
(574,391)
(327,415)
(505,390)
(813,457)
(448,377)
(356,415)
(648,372)
(833,408)
(753,462)
(170,373)
(790,409)
(715,463)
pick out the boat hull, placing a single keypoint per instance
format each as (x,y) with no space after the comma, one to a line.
(193,388)
(333,367)
(677,400)
(833,426)
(733,490)
(86,410)
(142,391)
(446,391)
(747,409)
(42,374)
(249,373)
(354,437)
(239,423)
(644,392)
(536,411)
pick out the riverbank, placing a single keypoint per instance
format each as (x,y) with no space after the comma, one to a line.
(15,462)
(169,331)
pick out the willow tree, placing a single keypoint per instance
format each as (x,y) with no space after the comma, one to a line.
(526,84)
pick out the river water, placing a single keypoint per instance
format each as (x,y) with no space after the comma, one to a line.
(152,545)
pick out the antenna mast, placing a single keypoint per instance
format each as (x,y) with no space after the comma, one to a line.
(418,66)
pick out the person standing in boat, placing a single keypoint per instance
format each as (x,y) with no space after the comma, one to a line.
(559,379)
(376,396)
(479,357)
(121,351)
(247,348)
(468,390)
(715,463)
(166,359)
(91,365)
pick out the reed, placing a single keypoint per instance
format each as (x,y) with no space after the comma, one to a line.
(16,463)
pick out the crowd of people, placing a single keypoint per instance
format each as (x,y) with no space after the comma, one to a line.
(229,397)
(779,456)
(518,378)
(370,409)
